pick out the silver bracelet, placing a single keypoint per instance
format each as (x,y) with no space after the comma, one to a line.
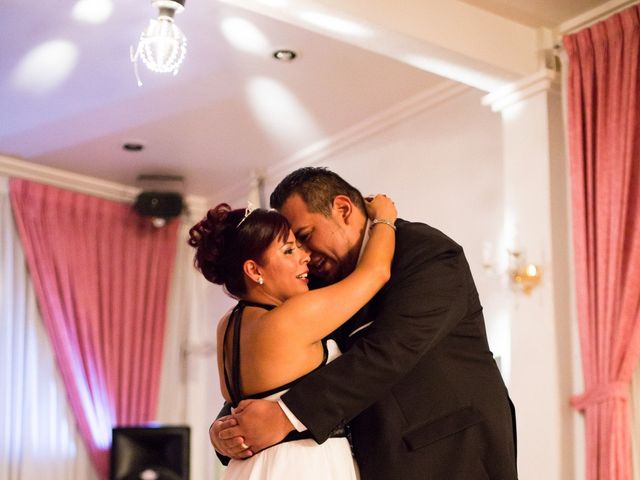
(376,221)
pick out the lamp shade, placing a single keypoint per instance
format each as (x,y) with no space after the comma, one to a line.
(162,45)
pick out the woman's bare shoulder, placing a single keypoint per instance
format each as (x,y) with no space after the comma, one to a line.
(222,323)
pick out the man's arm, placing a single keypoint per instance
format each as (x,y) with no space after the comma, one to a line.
(426,298)
(424,302)
(224,437)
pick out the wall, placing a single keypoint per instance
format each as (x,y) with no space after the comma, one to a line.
(443,167)
(446,166)
(536,217)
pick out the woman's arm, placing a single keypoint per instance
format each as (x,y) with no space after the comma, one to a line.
(325,309)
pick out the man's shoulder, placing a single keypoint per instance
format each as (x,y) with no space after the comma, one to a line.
(413,235)
(418,244)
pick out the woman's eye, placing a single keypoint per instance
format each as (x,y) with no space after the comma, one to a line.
(288,251)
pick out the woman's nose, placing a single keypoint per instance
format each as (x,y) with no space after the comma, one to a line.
(304,255)
(305,251)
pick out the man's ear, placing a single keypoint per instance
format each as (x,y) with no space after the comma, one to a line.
(343,208)
(252,270)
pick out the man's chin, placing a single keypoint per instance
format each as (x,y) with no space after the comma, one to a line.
(328,276)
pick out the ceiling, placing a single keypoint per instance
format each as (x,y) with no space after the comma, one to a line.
(69,97)
(538,13)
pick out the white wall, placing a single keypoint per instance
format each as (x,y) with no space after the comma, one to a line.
(442,167)
(189,390)
(446,167)
(542,366)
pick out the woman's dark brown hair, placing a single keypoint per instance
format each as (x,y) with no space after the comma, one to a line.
(224,241)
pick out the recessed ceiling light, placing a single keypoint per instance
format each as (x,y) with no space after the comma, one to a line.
(133,147)
(284,55)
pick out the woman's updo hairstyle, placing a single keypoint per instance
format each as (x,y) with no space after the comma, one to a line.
(224,239)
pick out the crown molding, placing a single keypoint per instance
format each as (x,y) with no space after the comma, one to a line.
(15,167)
(541,81)
(317,152)
(118,192)
(197,205)
(594,15)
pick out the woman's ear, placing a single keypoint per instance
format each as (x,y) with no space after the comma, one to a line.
(343,208)
(252,270)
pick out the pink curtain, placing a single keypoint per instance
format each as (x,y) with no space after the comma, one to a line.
(101,276)
(604,146)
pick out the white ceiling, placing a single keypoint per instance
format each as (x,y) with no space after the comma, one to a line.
(229,112)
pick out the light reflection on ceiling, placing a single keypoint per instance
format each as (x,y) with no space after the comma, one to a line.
(45,67)
(92,11)
(335,24)
(278,110)
(244,35)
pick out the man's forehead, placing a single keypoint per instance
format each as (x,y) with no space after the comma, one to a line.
(295,209)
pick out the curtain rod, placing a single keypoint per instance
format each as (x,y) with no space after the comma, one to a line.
(589,19)
(594,16)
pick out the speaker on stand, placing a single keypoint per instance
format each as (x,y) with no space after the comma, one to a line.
(150,453)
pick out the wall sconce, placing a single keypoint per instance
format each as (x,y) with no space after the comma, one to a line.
(523,276)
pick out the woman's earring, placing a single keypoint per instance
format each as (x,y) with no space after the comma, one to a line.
(260,281)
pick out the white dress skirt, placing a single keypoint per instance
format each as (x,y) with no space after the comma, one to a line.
(299,459)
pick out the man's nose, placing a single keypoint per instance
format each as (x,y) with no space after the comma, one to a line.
(304,255)
(314,258)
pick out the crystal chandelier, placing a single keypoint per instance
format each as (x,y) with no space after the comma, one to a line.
(162,45)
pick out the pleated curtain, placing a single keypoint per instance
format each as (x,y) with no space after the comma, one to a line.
(635,423)
(101,277)
(604,147)
(38,435)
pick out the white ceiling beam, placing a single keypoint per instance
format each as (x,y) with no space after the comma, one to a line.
(448,38)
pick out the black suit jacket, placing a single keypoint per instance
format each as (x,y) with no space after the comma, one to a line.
(417,381)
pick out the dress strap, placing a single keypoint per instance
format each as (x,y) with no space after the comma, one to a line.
(249,303)
(231,383)
(232,380)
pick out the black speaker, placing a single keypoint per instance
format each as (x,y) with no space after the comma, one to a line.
(158,204)
(150,453)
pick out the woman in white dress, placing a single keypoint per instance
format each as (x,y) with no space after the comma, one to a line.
(274,335)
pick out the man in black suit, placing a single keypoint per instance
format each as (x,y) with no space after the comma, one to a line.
(417,382)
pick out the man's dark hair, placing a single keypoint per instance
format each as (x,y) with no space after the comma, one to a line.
(317,186)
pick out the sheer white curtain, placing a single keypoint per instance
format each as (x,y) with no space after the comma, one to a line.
(39,439)
(189,388)
(38,436)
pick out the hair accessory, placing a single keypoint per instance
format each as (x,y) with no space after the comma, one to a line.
(376,221)
(250,208)
(260,281)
